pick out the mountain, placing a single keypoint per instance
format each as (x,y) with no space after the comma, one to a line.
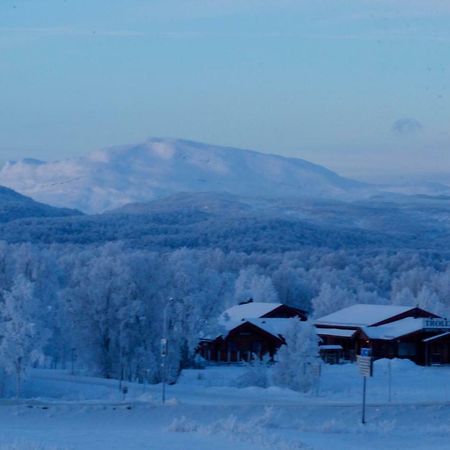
(16,206)
(113,177)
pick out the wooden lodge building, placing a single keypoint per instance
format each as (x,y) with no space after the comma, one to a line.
(251,329)
(254,329)
(390,331)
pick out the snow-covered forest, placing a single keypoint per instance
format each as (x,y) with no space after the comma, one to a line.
(90,291)
(101,306)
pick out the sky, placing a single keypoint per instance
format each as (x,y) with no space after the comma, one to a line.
(360,86)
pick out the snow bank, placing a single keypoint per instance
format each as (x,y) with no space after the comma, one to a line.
(343,382)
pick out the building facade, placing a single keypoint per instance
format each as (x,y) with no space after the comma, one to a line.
(250,330)
(255,330)
(389,331)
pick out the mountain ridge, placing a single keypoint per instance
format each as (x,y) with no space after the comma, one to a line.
(17,206)
(158,167)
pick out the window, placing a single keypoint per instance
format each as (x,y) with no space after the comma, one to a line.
(406,349)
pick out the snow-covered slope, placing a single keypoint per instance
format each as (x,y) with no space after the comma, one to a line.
(217,408)
(16,206)
(113,177)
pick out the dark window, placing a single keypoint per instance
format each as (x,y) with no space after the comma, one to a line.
(406,349)
(256,347)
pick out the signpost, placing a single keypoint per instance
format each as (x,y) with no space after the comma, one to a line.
(316,370)
(164,348)
(389,381)
(365,364)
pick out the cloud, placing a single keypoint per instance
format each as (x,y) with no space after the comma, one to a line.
(405,126)
(68,31)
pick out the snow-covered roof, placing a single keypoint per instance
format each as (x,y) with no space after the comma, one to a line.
(335,332)
(361,315)
(395,329)
(274,326)
(434,338)
(330,347)
(238,313)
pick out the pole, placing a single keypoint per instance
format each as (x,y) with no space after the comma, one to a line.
(163,357)
(389,381)
(72,360)
(363,419)
(319,370)
(163,394)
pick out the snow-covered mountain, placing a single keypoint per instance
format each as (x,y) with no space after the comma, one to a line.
(110,178)
(16,206)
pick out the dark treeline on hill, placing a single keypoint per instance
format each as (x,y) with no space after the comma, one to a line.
(165,231)
(16,206)
(229,223)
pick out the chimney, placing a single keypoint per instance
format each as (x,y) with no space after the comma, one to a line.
(250,300)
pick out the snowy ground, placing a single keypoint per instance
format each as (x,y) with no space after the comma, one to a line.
(205,411)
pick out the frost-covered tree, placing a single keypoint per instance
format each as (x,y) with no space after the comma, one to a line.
(291,287)
(22,335)
(404,297)
(296,359)
(331,299)
(251,284)
(110,312)
(428,299)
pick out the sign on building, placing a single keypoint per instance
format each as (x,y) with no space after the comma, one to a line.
(436,324)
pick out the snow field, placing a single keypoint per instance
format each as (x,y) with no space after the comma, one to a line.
(206,410)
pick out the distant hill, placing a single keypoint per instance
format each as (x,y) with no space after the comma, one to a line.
(157,168)
(185,202)
(211,220)
(16,206)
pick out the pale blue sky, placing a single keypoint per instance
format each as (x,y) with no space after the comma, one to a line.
(360,86)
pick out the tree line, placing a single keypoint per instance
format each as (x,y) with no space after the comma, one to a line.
(101,306)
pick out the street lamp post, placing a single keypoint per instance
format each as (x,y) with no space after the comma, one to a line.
(164,347)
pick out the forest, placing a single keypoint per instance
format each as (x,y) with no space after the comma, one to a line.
(100,306)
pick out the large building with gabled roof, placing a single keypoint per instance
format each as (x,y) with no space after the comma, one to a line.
(254,329)
(390,331)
